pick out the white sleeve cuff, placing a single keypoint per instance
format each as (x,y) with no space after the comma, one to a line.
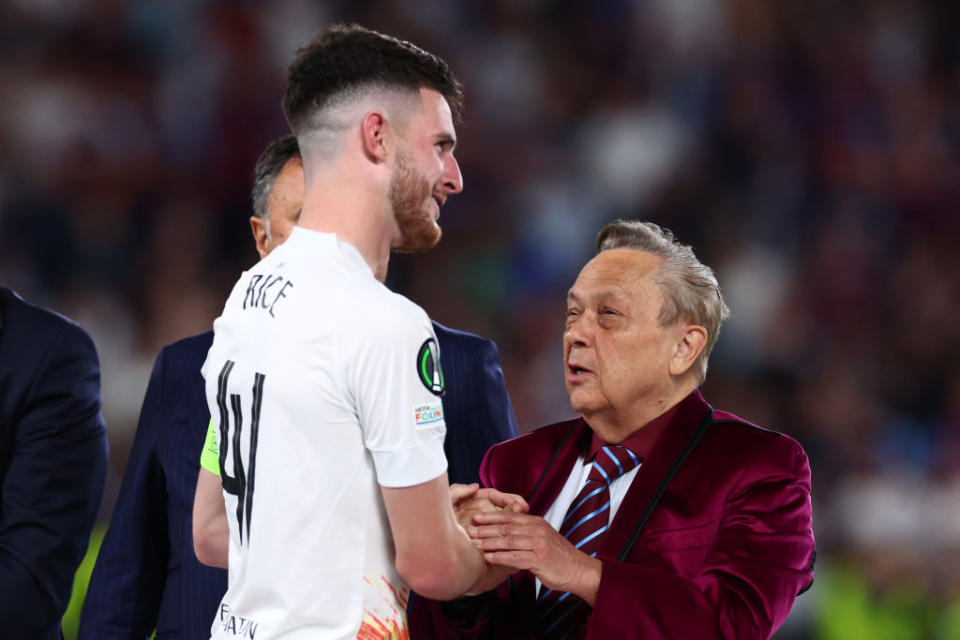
(410,466)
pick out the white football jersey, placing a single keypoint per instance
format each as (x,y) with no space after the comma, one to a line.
(322,384)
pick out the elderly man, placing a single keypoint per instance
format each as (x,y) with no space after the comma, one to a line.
(653,515)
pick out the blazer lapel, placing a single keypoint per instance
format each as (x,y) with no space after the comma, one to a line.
(671,443)
(541,495)
(555,475)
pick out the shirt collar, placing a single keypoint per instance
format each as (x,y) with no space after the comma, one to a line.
(311,237)
(641,441)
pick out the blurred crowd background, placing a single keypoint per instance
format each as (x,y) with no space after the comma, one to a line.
(809,151)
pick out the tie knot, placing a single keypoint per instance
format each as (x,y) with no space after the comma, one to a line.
(611,462)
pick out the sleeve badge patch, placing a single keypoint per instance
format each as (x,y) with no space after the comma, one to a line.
(428,367)
(427,415)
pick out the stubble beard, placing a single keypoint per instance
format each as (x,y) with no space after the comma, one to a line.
(408,194)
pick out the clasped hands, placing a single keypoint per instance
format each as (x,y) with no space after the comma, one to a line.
(511,539)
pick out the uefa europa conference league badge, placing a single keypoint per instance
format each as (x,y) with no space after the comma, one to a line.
(428,367)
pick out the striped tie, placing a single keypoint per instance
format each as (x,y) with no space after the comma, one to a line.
(587,519)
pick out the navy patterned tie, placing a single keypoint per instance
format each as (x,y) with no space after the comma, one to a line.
(584,525)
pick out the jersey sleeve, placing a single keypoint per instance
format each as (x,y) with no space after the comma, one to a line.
(395,383)
(210,455)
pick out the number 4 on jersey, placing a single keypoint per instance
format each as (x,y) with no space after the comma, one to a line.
(239,484)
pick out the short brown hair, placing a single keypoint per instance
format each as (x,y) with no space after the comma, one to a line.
(345,57)
(690,290)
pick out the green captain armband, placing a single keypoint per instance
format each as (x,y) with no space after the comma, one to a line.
(210,456)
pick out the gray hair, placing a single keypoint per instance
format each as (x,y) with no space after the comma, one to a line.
(690,290)
(269,165)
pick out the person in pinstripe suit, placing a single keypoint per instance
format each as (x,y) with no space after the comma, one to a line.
(147,576)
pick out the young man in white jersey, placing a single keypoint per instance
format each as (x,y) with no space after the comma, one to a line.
(342,497)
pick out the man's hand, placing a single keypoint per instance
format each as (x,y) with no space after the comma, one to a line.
(521,541)
(469,499)
(462,492)
(505,501)
(211,531)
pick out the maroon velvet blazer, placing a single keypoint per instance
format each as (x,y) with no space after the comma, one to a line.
(722,553)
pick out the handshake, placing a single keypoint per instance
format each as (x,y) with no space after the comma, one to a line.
(511,539)
(469,500)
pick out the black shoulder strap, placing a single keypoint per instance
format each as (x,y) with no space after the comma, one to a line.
(694,439)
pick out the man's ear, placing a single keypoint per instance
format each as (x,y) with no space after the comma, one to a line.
(374,130)
(691,340)
(259,229)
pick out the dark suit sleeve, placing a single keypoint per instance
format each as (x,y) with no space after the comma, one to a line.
(478,410)
(53,485)
(759,561)
(123,599)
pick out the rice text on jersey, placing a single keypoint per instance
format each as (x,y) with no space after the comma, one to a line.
(264,291)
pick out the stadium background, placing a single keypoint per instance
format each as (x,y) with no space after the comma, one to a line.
(808,151)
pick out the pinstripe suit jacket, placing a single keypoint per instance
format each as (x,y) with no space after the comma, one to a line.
(147,575)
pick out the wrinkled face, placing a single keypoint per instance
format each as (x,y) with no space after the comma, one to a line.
(616,354)
(425,173)
(284,203)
